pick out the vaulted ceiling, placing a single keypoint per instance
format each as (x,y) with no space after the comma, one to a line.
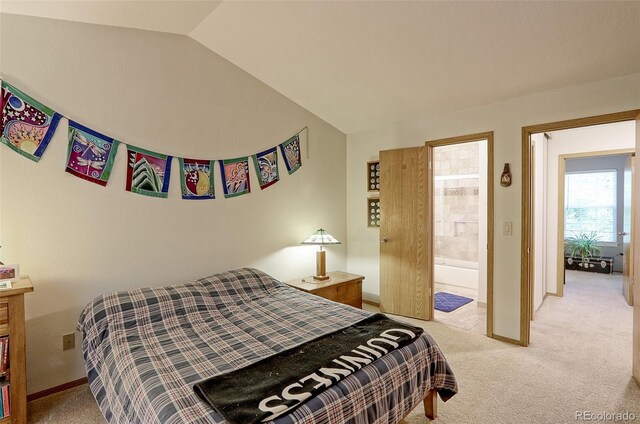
(366,64)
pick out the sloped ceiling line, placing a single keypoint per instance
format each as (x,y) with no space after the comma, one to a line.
(365,65)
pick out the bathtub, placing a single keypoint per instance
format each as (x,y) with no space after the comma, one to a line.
(456,272)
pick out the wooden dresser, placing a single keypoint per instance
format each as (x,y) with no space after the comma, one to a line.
(341,287)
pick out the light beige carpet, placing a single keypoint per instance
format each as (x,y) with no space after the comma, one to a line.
(579,360)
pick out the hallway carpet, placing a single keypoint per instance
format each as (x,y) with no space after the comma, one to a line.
(579,360)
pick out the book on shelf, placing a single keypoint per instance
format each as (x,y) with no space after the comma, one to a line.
(6,402)
(4,354)
(4,313)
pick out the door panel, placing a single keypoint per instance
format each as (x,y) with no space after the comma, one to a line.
(636,260)
(405,270)
(628,226)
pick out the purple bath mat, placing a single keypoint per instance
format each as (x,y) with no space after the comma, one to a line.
(447,302)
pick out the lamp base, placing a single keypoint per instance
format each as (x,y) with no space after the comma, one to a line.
(321,273)
(321,277)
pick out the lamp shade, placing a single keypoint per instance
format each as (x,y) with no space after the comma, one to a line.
(321,237)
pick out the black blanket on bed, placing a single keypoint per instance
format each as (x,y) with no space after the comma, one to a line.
(280,383)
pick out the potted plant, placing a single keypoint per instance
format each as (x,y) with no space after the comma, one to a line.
(583,246)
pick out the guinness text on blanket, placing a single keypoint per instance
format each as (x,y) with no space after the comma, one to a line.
(280,383)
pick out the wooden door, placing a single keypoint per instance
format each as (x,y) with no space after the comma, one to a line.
(405,247)
(636,265)
(628,225)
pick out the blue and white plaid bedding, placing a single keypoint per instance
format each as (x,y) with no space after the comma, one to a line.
(144,349)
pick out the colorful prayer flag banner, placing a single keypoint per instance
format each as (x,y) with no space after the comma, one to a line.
(196,179)
(267,167)
(90,155)
(27,125)
(235,176)
(291,152)
(148,172)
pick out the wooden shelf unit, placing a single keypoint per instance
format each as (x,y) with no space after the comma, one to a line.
(14,298)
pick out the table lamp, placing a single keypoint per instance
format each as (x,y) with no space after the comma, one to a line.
(321,237)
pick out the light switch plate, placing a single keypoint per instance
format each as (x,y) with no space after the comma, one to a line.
(507,228)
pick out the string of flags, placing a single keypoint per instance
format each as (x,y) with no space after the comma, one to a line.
(27,127)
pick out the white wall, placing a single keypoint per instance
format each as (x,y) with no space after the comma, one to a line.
(578,140)
(539,218)
(506,119)
(166,93)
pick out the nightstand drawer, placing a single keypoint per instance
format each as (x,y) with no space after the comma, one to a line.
(330,293)
(349,292)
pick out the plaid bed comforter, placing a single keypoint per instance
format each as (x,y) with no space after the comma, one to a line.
(144,349)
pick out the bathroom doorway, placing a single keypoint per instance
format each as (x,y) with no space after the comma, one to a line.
(462,193)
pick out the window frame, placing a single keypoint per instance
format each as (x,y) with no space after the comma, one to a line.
(614,228)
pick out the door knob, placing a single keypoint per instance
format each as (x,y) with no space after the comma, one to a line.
(383,239)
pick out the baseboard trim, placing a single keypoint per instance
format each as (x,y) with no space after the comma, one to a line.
(371,302)
(506,339)
(60,388)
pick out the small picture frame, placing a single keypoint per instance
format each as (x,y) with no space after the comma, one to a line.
(9,274)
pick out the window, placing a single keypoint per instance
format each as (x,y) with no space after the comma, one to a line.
(590,204)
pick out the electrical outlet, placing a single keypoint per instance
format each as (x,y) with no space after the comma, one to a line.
(68,341)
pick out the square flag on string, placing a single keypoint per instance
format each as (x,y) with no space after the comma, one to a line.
(267,167)
(148,172)
(90,154)
(291,153)
(235,176)
(196,179)
(27,125)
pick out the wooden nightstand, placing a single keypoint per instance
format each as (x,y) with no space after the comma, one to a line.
(342,287)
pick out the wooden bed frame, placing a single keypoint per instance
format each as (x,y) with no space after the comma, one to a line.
(431,404)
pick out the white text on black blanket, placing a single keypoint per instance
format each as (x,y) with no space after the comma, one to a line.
(325,377)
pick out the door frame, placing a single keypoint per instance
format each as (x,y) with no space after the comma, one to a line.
(430,144)
(628,271)
(526,211)
(562,169)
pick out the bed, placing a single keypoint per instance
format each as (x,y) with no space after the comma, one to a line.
(145,349)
